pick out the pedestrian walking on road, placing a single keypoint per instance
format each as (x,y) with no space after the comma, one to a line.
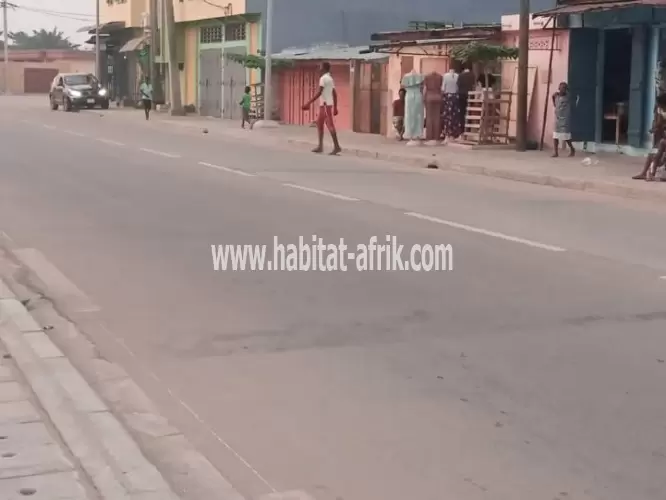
(562,132)
(246,103)
(328,108)
(146,91)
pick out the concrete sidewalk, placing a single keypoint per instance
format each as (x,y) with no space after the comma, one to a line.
(33,463)
(43,396)
(607,174)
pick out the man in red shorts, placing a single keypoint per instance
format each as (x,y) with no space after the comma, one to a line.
(328,108)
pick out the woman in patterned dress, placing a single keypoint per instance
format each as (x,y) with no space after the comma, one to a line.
(451,116)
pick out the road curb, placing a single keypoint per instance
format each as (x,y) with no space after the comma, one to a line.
(575,184)
(106,451)
(190,475)
(556,181)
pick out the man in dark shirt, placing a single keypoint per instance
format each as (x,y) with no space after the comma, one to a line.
(465,86)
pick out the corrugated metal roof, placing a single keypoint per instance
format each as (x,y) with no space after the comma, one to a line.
(134,44)
(393,46)
(437,34)
(330,53)
(583,7)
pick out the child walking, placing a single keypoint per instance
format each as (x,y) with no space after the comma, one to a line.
(562,132)
(146,91)
(246,103)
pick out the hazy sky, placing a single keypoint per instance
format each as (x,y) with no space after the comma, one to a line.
(67,15)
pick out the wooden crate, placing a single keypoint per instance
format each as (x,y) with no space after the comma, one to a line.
(487,118)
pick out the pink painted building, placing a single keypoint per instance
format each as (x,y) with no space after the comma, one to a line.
(548,66)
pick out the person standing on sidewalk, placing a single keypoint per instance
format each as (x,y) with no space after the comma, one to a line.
(562,132)
(328,108)
(146,91)
(655,158)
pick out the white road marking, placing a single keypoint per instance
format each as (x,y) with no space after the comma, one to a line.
(56,282)
(73,132)
(227,169)
(120,341)
(485,232)
(662,277)
(322,193)
(5,236)
(111,142)
(50,127)
(160,153)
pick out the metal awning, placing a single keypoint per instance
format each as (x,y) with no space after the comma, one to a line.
(586,7)
(134,44)
(104,27)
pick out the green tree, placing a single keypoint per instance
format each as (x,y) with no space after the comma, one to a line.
(40,40)
(483,55)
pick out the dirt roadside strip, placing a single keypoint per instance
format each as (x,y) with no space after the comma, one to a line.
(102,446)
(655,192)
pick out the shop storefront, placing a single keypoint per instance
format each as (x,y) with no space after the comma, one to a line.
(615,49)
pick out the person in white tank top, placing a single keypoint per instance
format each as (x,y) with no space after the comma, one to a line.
(328,108)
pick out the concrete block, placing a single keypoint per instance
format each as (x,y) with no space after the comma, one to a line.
(106,371)
(288,495)
(42,345)
(18,412)
(20,462)
(138,474)
(12,310)
(80,393)
(5,292)
(15,436)
(59,486)
(149,424)
(12,391)
(6,373)
(158,495)
(189,470)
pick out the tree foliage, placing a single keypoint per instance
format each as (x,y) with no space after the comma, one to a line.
(40,40)
(251,61)
(483,54)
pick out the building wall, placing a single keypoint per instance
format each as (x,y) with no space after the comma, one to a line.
(198,10)
(190,35)
(352,21)
(190,73)
(399,64)
(296,85)
(539,58)
(17,70)
(129,11)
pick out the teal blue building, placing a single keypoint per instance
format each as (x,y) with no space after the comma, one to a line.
(617,53)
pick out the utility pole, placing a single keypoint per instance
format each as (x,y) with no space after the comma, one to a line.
(176,107)
(523,68)
(98,50)
(152,72)
(5,35)
(268,69)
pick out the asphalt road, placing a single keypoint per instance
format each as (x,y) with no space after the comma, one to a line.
(533,370)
